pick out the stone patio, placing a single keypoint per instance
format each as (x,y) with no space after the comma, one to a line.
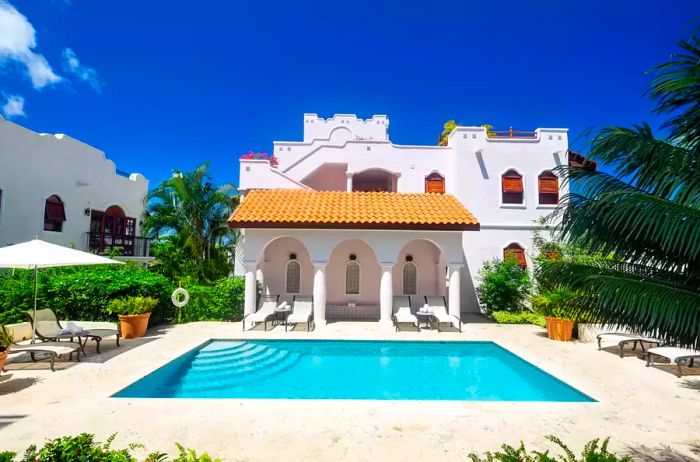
(646,411)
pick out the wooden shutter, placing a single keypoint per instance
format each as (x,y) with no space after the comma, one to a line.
(514,251)
(435,186)
(548,185)
(54,210)
(512,184)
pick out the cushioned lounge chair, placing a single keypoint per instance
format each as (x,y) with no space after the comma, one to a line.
(402,312)
(265,312)
(625,338)
(302,312)
(437,307)
(674,355)
(49,329)
(52,350)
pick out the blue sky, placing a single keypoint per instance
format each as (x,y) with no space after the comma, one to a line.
(160,85)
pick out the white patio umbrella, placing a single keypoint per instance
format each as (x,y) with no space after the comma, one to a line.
(37,254)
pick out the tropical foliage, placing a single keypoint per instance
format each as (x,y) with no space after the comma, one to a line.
(187,216)
(642,215)
(504,286)
(132,305)
(446,130)
(594,451)
(523,317)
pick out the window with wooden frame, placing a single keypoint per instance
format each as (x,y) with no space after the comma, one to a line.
(352,277)
(548,188)
(515,251)
(512,188)
(435,183)
(293,277)
(54,214)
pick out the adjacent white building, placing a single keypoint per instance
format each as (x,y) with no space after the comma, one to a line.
(66,192)
(355,250)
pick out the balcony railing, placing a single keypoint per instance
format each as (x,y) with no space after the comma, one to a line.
(128,246)
(528,135)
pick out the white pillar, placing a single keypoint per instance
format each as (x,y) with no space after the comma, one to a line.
(386,294)
(348,181)
(454,301)
(250,289)
(320,294)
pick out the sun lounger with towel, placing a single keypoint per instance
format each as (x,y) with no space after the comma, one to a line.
(49,329)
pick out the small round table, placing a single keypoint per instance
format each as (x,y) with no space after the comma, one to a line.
(424,318)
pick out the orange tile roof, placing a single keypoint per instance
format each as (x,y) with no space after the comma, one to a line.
(303,208)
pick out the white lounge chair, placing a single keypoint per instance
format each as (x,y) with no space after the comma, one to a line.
(52,349)
(402,312)
(624,338)
(265,311)
(675,355)
(437,306)
(302,311)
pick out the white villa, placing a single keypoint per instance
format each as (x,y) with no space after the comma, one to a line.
(352,219)
(66,192)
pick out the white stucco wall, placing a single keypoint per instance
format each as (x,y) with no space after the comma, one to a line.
(471,163)
(35,166)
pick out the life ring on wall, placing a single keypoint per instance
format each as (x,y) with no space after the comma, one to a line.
(180,297)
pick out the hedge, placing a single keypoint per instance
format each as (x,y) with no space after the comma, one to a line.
(222,301)
(524,317)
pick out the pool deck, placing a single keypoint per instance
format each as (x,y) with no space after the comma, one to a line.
(646,411)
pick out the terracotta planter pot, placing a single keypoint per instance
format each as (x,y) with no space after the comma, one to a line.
(559,329)
(133,325)
(3,357)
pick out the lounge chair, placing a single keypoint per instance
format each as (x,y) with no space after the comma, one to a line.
(265,312)
(49,329)
(402,312)
(675,355)
(437,306)
(302,311)
(53,350)
(624,338)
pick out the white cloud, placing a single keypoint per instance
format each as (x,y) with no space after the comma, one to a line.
(71,64)
(17,41)
(14,107)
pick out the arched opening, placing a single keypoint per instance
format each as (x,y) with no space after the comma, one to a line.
(286,268)
(420,270)
(54,214)
(512,191)
(352,282)
(374,180)
(112,229)
(548,188)
(516,252)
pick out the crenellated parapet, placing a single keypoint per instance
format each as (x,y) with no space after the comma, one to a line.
(346,126)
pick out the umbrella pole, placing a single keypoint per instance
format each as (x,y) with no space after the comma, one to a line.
(36,276)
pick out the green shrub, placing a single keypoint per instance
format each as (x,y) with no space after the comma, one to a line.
(221,302)
(82,292)
(594,451)
(553,302)
(132,305)
(504,286)
(525,317)
(84,448)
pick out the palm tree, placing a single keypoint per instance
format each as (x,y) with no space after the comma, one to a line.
(642,219)
(187,215)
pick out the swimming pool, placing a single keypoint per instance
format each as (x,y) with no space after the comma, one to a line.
(349,369)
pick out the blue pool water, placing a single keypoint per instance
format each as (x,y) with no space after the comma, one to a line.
(385,370)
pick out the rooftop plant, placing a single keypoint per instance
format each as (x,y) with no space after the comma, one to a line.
(261,156)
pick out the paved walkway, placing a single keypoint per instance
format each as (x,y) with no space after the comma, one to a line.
(640,408)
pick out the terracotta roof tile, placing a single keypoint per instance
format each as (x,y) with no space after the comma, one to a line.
(303,208)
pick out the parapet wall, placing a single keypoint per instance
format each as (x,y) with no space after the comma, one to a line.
(318,128)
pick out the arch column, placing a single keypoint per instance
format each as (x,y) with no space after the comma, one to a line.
(320,293)
(454,301)
(249,298)
(386,294)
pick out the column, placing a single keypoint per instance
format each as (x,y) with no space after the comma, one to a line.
(250,288)
(320,294)
(454,288)
(348,181)
(386,294)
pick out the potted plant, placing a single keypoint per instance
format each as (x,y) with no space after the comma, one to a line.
(134,313)
(5,342)
(551,304)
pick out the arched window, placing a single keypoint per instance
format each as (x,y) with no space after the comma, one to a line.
(548,188)
(352,277)
(410,276)
(54,214)
(435,183)
(512,187)
(293,277)
(515,251)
